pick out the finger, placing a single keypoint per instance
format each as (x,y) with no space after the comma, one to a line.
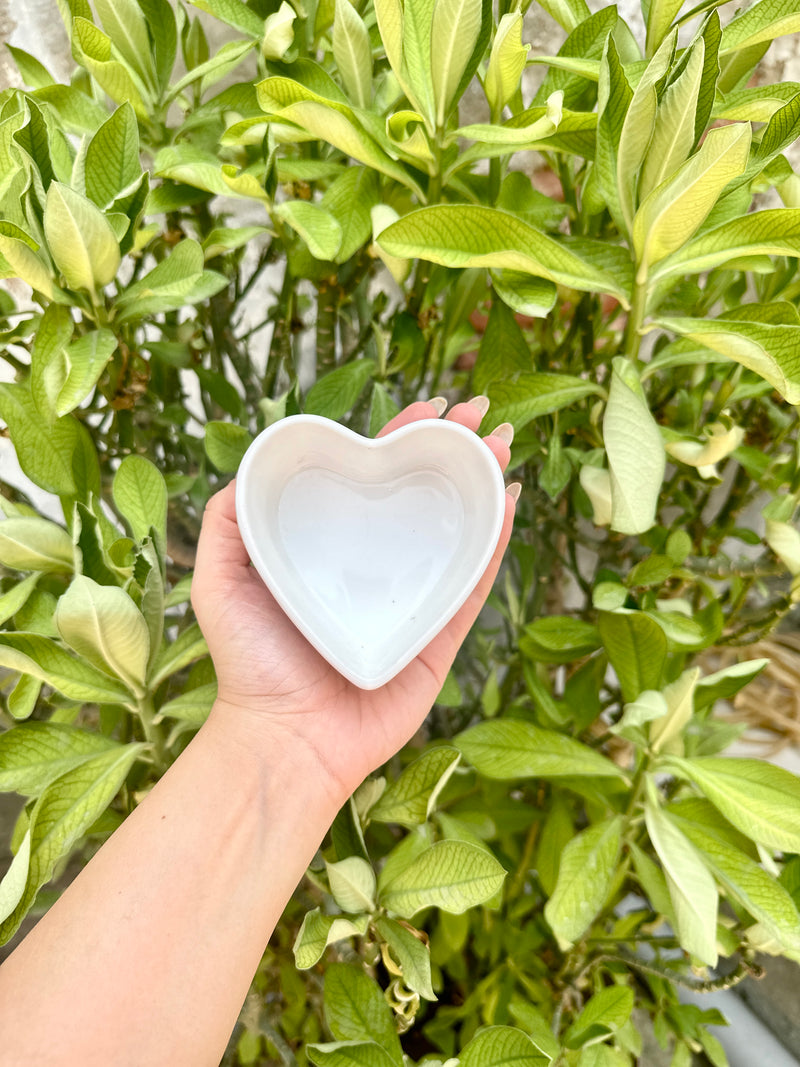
(220,549)
(499,448)
(470,413)
(420,409)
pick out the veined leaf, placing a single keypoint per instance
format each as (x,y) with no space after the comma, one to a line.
(503,350)
(636,456)
(84,360)
(411,798)
(47,661)
(64,813)
(389,16)
(587,868)
(506,62)
(637,648)
(605,1013)
(673,212)
(352,52)
(80,238)
(524,293)
(465,235)
(350,199)
(29,543)
(454,33)
(19,252)
(188,646)
(761,800)
(334,395)
(660,16)
(318,931)
(355,1009)
(502,1046)
(762,895)
(756,104)
(125,24)
(450,875)
(17,596)
(727,682)
(691,886)
(774,232)
(510,748)
(102,624)
(34,754)
(318,228)
(567,13)
(234,13)
(193,706)
(112,157)
(410,953)
(417,75)
(614,96)
(673,132)
(352,882)
(350,1054)
(92,49)
(763,21)
(772,351)
(140,495)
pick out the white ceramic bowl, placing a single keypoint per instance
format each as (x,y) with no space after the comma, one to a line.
(369,546)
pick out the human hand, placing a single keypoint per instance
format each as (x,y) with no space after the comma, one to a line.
(276,688)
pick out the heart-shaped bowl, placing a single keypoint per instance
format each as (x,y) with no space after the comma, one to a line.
(369,546)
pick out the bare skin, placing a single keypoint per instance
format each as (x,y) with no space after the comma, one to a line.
(147,958)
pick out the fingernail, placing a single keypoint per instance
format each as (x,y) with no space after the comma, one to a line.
(481,403)
(514,490)
(440,403)
(505,431)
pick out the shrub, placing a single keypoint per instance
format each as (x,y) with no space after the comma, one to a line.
(567,841)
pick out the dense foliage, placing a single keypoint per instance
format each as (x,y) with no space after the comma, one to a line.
(566,841)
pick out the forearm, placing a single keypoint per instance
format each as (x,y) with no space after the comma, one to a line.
(147,958)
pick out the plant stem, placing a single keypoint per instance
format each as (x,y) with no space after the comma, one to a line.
(635,319)
(153,733)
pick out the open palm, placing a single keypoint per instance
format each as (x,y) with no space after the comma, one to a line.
(267,670)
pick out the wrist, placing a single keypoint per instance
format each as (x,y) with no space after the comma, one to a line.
(257,743)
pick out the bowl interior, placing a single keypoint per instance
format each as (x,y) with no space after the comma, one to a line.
(369,546)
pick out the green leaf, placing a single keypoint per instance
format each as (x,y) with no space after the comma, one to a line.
(637,649)
(355,1009)
(211,71)
(748,883)
(411,798)
(188,646)
(317,931)
(410,953)
(660,16)
(761,800)
(614,96)
(112,157)
(82,243)
(19,252)
(49,452)
(501,1046)
(772,351)
(92,49)
(193,706)
(467,235)
(28,543)
(352,882)
(587,869)
(164,37)
(187,163)
(140,495)
(585,43)
(234,13)
(567,13)
(673,131)
(761,22)
(725,683)
(635,450)
(534,394)
(34,754)
(691,886)
(383,409)
(78,113)
(679,695)
(511,748)
(23,697)
(350,1054)
(318,228)
(556,833)
(64,813)
(352,52)
(506,62)
(712,35)
(775,232)
(524,293)
(33,73)
(335,394)
(455,27)
(350,200)
(83,362)
(125,24)
(17,596)
(12,885)
(674,211)
(604,1014)
(102,624)
(177,280)
(503,351)
(225,444)
(450,875)
(559,639)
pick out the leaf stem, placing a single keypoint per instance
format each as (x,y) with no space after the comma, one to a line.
(635,318)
